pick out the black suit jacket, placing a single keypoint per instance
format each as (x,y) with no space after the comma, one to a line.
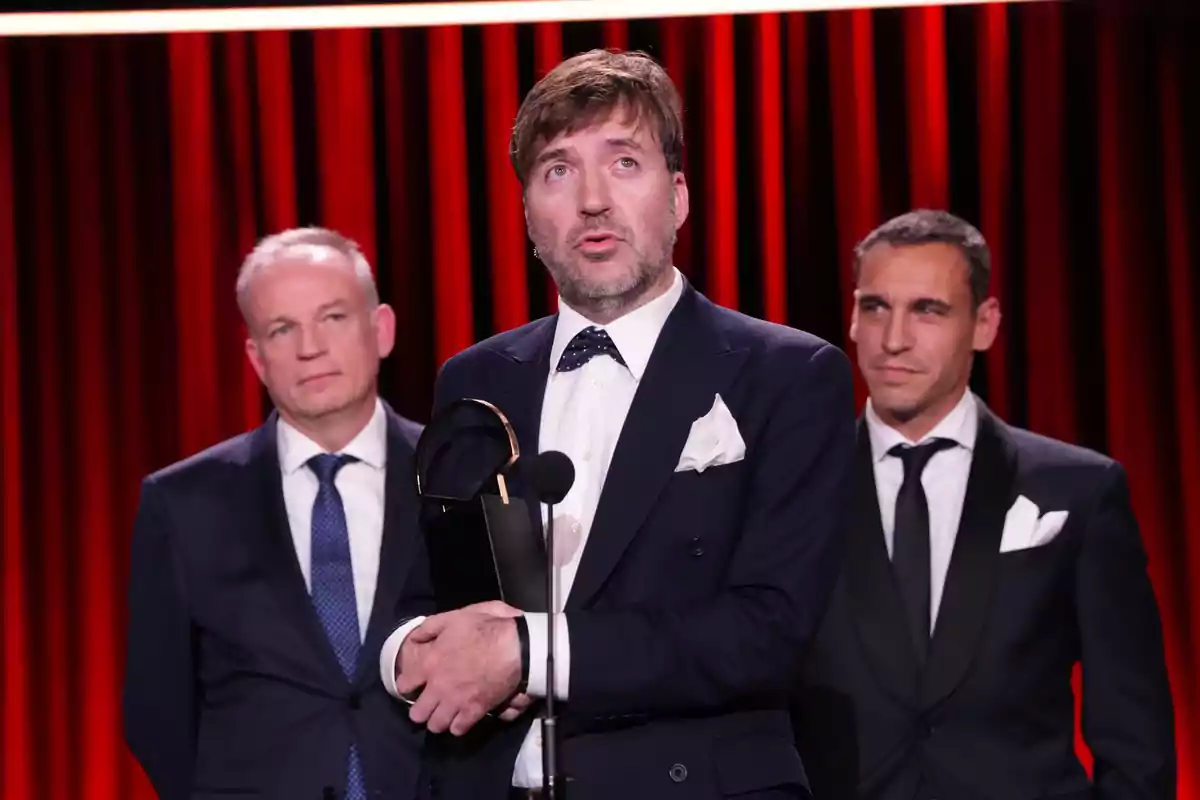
(991,715)
(696,592)
(231,686)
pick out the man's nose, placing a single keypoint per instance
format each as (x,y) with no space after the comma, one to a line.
(594,197)
(312,342)
(897,335)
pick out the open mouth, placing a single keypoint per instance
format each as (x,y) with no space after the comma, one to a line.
(598,238)
(598,246)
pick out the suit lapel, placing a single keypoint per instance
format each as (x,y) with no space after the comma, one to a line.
(278,552)
(522,394)
(690,364)
(971,578)
(525,388)
(874,597)
(398,547)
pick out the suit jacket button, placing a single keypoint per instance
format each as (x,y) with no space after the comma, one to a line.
(354,701)
(678,773)
(697,546)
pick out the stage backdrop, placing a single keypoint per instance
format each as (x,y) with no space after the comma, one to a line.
(135,173)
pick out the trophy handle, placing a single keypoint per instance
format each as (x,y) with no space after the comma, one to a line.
(423,456)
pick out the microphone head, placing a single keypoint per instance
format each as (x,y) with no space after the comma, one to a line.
(551,475)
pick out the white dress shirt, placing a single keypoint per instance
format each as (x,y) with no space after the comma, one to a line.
(583,412)
(944,481)
(361,484)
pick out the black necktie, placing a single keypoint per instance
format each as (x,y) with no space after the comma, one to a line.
(587,344)
(910,543)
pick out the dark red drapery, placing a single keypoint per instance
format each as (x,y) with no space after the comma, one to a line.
(136,171)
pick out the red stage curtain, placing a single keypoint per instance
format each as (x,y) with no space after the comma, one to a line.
(136,171)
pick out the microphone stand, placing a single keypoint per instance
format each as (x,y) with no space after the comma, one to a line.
(552,784)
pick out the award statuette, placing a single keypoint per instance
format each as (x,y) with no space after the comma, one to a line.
(484,543)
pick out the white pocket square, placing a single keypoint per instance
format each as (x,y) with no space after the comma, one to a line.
(714,440)
(1025,526)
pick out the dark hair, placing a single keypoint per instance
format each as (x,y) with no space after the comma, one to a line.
(925,226)
(587,87)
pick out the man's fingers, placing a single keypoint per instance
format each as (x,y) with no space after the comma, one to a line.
(466,719)
(428,630)
(439,721)
(496,608)
(424,707)
(516,708)
(409,682)
(412,667)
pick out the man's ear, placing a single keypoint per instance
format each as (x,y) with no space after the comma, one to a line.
(987,324)
(854,318)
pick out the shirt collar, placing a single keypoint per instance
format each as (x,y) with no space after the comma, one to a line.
(960,426)
(369,446)
(634,334)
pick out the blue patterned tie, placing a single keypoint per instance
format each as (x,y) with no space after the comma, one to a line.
(333,586)
(587,344)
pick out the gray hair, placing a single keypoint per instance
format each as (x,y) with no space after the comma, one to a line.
(925,226)
(302,242)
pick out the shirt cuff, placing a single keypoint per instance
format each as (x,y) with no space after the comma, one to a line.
(539,630)
(389,656)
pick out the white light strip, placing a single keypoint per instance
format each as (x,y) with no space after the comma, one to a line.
(77,23)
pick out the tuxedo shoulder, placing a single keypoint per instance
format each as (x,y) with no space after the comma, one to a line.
(744,331)
(410,430)
(502,343)
(212,462)
(1041,453)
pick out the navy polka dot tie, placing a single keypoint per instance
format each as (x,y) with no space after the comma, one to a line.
(587,344)
(333,586)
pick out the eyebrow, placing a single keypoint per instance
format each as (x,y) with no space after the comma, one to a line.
(339,303)
(561,153)
(919,301)
(624,142)
(550,155)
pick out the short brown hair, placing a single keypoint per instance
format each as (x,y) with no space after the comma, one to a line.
(585,88)
(927,226)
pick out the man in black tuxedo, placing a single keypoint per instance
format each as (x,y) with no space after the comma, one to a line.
(983,561)
(268,570)
(710,452)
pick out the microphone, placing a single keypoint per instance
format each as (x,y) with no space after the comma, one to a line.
(551,475)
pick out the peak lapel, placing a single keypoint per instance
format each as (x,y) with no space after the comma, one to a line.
(971,578)
(524,386)
(277,552)
(688,367)
(875,599)
(398,548)
(520,397)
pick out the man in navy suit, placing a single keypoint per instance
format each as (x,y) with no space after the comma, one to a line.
(268,570)
(983,562)
(696,545)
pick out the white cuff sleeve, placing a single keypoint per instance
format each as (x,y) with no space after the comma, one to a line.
(389,656)
(539,629)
